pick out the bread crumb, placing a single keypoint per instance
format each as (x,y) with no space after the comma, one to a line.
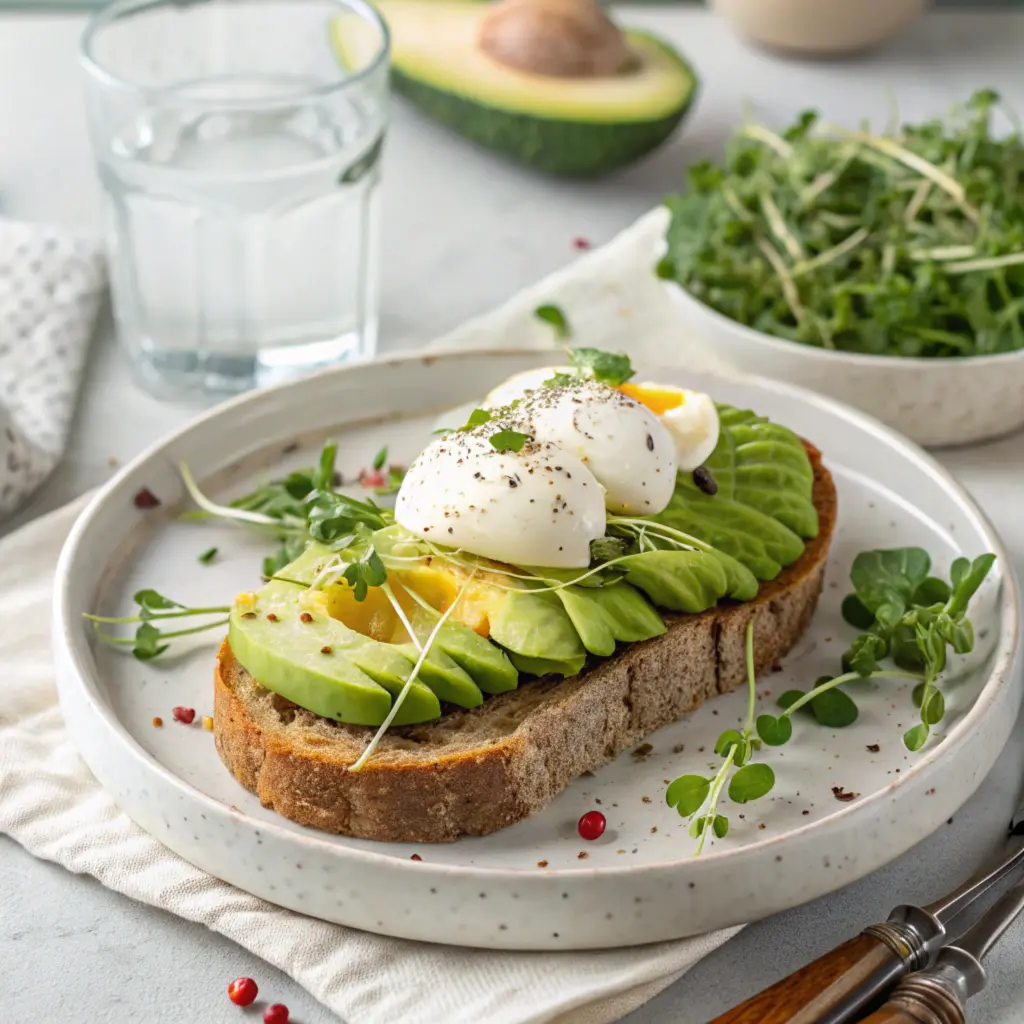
(582,855)
(620,851)
(542,863)
(112,461)
(654,828)
(415,856)
(646,799)
(643,750)
(678,748)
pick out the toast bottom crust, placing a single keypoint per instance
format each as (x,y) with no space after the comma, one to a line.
(476,771)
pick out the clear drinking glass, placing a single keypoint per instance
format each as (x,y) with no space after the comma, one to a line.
(238,144)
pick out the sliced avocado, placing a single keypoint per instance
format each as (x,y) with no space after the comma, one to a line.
(577,126)
(444,676)
(539,636)
(295,649)
(604,615)
(486,663)
(770,470)
(682,581)
(311,664)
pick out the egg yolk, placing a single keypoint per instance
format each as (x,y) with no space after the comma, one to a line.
(658,399)
(376,617)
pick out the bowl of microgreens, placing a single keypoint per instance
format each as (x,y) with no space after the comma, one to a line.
(886,270)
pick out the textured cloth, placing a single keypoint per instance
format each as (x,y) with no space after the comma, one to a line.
(51,285)
(51,804)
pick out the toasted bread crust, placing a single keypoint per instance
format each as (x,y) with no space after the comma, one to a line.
(474,772)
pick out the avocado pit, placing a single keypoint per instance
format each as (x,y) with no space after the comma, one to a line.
(557,38)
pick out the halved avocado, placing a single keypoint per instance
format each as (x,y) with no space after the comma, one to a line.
(576,126)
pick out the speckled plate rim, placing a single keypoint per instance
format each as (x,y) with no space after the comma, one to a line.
(67,637)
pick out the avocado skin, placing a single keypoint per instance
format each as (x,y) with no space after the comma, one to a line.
(573,149)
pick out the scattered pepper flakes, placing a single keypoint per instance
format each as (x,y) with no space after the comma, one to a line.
(184,715)
(646,799)
(158,721)
(542,863)
(207,723)
(678,748)
(805,812)
(145,499)
(582,855)
(580,243)
(762,826)
(305,617)
(842,795)
(874,748)
(643,750)
(416,856)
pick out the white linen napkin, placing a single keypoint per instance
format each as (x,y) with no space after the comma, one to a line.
(51,804)
(51,285)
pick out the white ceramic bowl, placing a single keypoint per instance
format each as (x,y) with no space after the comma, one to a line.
(935,402)
(819,27)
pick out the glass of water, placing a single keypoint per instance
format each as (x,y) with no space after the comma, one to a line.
(238,144)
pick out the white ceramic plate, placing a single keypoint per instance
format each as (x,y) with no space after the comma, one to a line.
(530,886)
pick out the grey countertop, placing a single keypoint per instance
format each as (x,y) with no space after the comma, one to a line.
(462,232)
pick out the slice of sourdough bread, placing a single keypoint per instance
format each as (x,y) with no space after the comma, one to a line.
(473,772)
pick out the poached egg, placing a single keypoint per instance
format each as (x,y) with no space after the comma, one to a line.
(618,439)
(587,449)
(538,506)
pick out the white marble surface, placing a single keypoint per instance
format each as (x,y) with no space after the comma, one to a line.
(462,232)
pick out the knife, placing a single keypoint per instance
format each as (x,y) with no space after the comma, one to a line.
(839,986)
(937,995)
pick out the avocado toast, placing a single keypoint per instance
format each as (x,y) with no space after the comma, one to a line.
(493,682)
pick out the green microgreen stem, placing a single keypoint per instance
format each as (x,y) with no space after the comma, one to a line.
(716,791)
(226,511)
(849,677)
(129,619)
(400,612)
(163,636)
(751,679)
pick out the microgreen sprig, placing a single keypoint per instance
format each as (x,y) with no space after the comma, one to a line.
(697,797)
(150,641)
(902,244)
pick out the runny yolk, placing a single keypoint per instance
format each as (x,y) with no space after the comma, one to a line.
(658,400)
(376,617)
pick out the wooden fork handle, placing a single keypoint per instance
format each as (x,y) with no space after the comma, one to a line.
(833,988)
(919,1000)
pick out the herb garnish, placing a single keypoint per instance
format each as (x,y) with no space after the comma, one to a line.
(154,606)
(915,618)
(894,603)
(904,244)
(367,572)
(611,368)
(508,440)
(208,556)
(553,315)
(692,793)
